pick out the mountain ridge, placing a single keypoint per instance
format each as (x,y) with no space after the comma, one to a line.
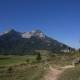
(19,42)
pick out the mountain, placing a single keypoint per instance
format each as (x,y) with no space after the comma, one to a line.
(13,42)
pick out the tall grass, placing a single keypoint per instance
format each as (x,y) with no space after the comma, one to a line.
(71,74)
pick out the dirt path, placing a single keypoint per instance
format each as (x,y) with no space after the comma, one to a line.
(53,73)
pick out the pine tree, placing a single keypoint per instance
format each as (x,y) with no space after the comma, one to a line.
(38,58)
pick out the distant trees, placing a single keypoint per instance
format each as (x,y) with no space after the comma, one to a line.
(79,50)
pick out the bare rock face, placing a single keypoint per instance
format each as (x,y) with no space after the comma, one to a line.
(26,35)
(34,33)
(38,33)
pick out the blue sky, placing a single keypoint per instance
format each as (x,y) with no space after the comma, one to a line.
(59,19)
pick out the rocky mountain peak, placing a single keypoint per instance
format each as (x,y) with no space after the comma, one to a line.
(37,31)
(10,30)
(33,33)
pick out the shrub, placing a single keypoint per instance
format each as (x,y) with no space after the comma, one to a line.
(27,60)
(10,69)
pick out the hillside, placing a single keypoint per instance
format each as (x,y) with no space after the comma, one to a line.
(14,42)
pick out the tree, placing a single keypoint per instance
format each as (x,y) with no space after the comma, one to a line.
(38,58)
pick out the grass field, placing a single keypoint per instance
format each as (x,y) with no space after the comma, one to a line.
(22,73)
(12,60)
(27,68)
(16,68)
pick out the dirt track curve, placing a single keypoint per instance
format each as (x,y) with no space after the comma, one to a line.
(54,73)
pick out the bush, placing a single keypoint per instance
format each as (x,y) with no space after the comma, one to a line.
(10,69)
(27,60)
